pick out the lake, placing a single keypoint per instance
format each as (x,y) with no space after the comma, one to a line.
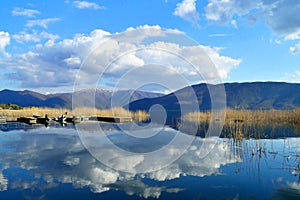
(55,163)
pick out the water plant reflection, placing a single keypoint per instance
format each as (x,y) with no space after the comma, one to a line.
(44,159)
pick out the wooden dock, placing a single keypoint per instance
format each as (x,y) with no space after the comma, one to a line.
(72,119)
(27,120)
(111,119)
(41,120)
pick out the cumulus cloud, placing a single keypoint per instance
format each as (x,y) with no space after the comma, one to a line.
(4,41)
(41,22)
(24,12)
(35,36)
(114,55)
(56,62)
(224,64)
(167,51)
(87,5)
(283,18)
(187,10)
(281,15)
(224,11)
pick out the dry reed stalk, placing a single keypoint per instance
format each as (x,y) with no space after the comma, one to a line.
(253,123)
(55,112)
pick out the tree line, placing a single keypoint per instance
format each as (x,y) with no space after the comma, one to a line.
(10,106)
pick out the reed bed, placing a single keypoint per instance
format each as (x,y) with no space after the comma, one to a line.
(249,123)
(55,112)
(250,116)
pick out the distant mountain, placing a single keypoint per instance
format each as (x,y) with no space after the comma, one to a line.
(256,95)
(29,98)
(263,95)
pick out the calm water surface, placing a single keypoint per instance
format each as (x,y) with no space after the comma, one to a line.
(52,163)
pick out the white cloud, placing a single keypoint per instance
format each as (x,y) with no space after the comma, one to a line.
(35,36)
(41,22)
(223,64)
(293,36)
(59,62)
(292,77)
(56,62)
(295,49)
(24,12)
(87,5)
(72,61)
(4,41)
(187,10)
(224,11)
(281,15)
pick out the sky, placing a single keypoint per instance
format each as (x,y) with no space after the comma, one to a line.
(50,46)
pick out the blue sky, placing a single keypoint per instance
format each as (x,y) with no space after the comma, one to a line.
(44,43)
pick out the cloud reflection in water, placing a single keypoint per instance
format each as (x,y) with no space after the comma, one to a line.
(56,156)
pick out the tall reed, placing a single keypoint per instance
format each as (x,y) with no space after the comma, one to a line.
(55,112)
(250,123)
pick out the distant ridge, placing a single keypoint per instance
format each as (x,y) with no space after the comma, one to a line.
(249,95)
(28,98)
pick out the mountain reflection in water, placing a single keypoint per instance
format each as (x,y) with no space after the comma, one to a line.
(40,162)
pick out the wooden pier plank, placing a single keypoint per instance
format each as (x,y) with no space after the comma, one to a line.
(27,120)
(111,119)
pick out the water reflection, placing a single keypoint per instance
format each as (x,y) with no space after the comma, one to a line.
(289,191)
(257,131)
(52,157)
(45,159)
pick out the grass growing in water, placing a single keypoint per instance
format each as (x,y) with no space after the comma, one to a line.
(249,123)
(55,112)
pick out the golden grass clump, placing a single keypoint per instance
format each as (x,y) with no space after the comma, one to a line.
(12,115)
(197,117)
(140,116)
(249,123)
(250,116)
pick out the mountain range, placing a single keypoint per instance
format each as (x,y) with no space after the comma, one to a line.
(103,98)
(252,96)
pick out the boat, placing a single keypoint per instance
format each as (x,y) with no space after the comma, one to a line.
(27,120)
